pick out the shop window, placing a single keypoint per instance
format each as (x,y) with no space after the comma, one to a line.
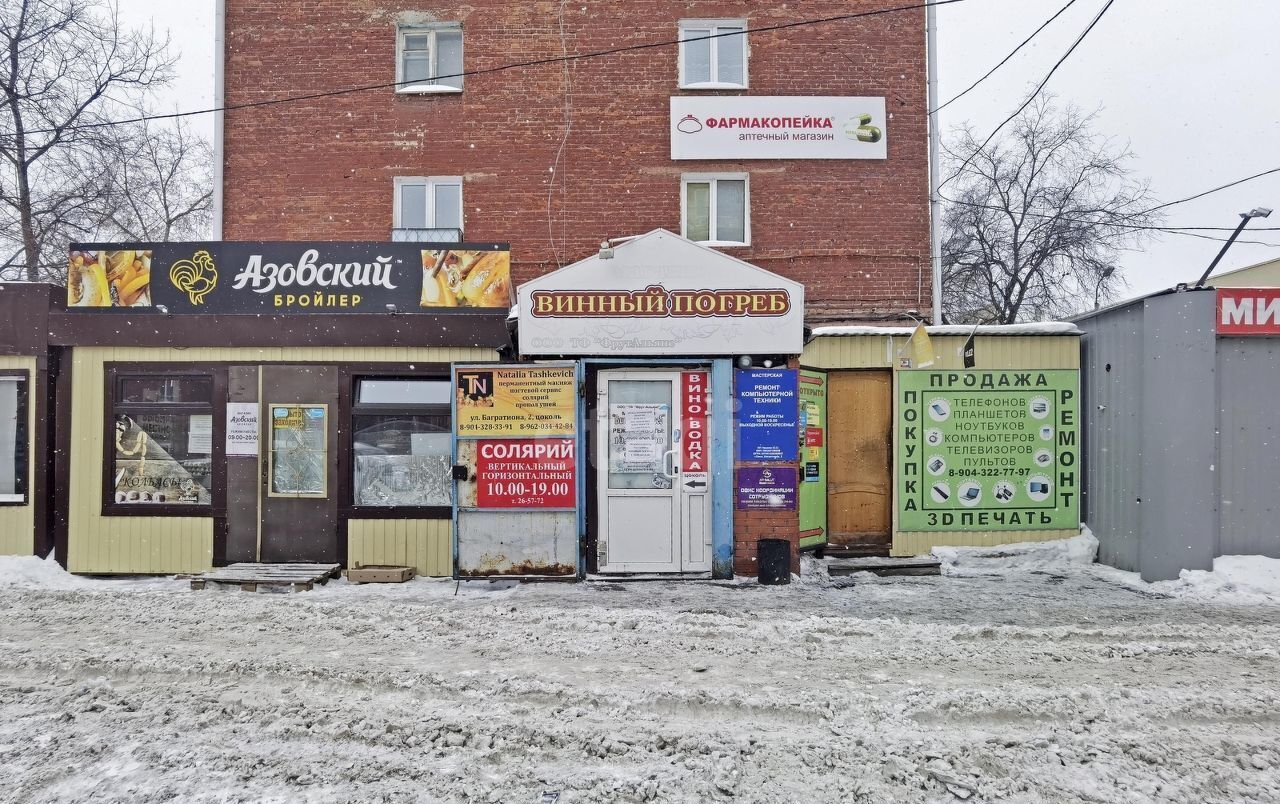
(13,440)
(428,202)
(161,442)
(715,209)
(429,59)
(402,443)
(713,54)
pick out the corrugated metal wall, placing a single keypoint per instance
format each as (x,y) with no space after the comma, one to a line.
(18,522)
(1111,383)
(1248,447)
(992,352)
(98,544)
(425,544)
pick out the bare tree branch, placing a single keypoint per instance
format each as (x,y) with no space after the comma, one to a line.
(1038,219)
(65,66)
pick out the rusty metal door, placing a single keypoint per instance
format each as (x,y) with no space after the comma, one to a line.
(299,505)
(859,457)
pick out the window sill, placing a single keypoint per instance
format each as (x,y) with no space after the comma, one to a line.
(722,244)
(428,90)
(399,512)
(159,510)
(13,499)
(713,85)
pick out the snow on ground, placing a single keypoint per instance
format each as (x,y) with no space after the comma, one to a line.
(1051,684)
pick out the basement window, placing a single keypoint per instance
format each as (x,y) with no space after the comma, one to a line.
(713,54)
(429,59)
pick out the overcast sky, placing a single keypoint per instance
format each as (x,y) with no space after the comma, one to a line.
(1190,85)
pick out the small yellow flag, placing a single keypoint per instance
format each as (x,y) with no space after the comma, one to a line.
(921,348)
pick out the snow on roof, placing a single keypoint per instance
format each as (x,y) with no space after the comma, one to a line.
(1041,328)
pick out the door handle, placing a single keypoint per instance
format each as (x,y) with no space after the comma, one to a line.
(675,470)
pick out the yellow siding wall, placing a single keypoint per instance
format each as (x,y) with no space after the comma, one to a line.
(18,522)
(991,352)
(425,544)
(115,544)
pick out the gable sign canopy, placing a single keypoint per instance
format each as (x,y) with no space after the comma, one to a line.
(661,294)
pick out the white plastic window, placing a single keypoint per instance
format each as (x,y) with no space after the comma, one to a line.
(713,54)
(716,209)
(429,59)
(428,202)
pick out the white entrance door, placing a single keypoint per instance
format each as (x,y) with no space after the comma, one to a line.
(650,520)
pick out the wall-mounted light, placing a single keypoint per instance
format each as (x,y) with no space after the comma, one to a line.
(162,309)
(744,362)
(391,308)
(606,250)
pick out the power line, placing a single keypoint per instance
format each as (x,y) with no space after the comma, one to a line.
(504,67)
(1033,94)
(1006,59)
(1214,190)
(1189,231)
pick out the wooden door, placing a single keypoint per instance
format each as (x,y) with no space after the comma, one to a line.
(859,456)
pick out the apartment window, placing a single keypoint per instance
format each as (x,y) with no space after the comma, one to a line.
(713,54)
(161,442)
(429,59)
(402,442)
(13,439)
(715,209)
(428,202)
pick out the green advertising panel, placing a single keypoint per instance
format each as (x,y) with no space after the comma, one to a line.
(813,459)
(988,450)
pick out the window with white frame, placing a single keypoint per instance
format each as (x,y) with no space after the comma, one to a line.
(713,54)
(715,208)
(428,202)
(13,439)
(429,58)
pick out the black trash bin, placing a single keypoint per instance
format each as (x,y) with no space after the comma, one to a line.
(773,561)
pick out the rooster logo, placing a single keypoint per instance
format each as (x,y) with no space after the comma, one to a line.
(196,276)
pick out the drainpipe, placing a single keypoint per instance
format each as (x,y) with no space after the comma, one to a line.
(935,147)
(219,100)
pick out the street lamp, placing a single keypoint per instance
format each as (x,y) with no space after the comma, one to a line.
(1245,217)
(1106,274)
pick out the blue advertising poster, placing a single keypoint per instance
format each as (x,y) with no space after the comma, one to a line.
(767,412)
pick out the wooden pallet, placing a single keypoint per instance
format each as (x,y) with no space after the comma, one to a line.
(883,565)
(249,576)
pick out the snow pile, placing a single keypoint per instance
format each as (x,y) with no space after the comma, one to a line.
(1249,578)
(30,572)
(1062,555)
(1245,580)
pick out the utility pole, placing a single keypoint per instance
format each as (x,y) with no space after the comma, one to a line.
(935,147)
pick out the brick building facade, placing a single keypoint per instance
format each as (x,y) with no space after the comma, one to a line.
(554,158)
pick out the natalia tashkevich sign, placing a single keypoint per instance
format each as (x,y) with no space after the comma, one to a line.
(661,294)
(988,450)
(776,127)
(262,277)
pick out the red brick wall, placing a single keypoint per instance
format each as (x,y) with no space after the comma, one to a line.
(854,232)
